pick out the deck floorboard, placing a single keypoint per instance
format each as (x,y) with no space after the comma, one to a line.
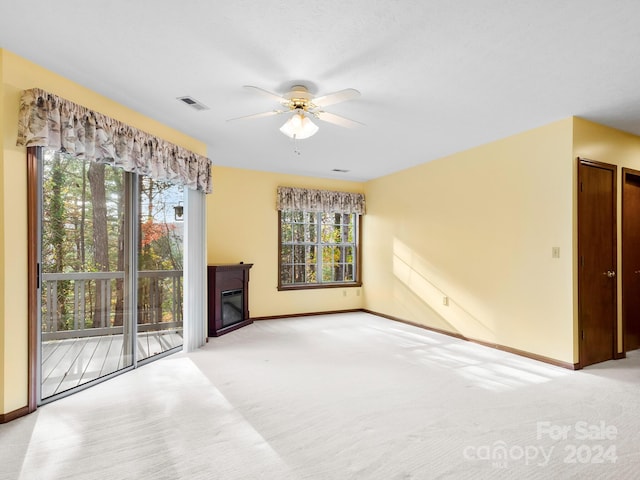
(71,362)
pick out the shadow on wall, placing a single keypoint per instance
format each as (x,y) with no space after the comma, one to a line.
(420,285)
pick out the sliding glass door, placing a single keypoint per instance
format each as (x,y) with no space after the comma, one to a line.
(159,267)
(110,271)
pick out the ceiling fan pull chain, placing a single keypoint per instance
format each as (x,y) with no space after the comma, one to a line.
(296,151)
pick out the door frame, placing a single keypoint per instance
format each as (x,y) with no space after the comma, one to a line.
(581,161)
(625,173)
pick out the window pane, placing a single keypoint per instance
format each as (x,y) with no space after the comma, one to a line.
(348,274)
(84,208)
(286,274)
(298,232)
(325,229)
(313,232)
(286,255)
(312,276)
(298,254)
(327,273)
(338,272)
(312,254)
(299,273)
(327,255)
(348,254)
(160,254)
(287,234)
(346,232)
(308,232)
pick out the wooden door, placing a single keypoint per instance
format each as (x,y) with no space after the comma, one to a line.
(631,258)
(597,283)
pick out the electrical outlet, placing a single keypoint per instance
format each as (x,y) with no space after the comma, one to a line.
(344,293)
(555,252)
(357,292)
(445,301)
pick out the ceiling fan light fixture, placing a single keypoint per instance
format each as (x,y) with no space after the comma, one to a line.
(299,127)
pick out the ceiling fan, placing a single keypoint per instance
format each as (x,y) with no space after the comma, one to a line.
(301,103)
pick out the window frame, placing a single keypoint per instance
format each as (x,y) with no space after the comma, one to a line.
(357,281)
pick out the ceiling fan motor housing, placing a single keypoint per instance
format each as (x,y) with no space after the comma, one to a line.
(299,97)
(298,92)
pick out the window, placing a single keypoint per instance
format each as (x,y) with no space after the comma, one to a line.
(318,249)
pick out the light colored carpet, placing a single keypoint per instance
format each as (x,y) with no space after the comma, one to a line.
(348,396)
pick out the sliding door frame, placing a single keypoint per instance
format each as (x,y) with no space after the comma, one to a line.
(131,268)
(33,281)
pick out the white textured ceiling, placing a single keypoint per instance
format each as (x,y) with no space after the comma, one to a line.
(436,76)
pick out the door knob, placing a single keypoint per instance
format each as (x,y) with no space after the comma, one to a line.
(610,273)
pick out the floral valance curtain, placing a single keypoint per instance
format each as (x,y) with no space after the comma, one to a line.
(326,201)
(50,121)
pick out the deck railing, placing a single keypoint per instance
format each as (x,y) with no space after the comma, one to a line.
(81,304)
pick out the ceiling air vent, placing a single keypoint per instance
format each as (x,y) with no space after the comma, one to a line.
(193,103)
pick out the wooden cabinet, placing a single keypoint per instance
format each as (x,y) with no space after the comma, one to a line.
(228,297)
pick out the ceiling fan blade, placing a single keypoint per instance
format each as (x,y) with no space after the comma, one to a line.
(259,115)
(337,119)
(273,96)
(336,97)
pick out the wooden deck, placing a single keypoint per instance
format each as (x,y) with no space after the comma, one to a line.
(71,362)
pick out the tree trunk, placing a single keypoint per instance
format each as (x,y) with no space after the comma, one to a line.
(83,218)
(145,290)
(56,226)
(100,238)
(119,307)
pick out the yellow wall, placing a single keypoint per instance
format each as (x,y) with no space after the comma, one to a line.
(478,227)
(18,74)
(604,144)
(2,230)
(242,225)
